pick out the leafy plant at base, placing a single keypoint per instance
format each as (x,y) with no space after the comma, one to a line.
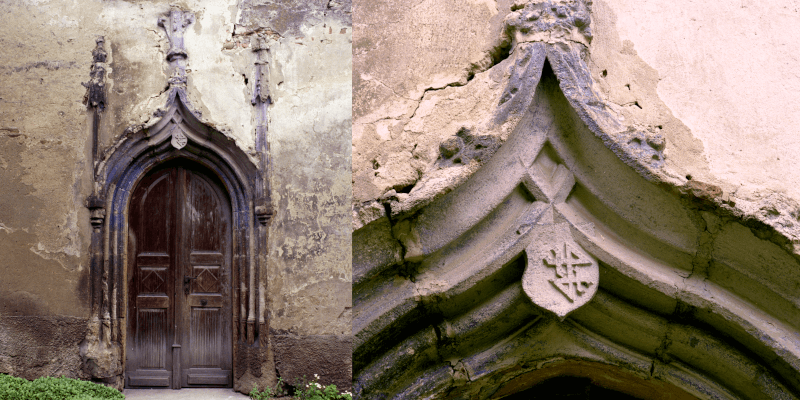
(303,390)
(257,395)
(268,392)
(50,388)
(316,391)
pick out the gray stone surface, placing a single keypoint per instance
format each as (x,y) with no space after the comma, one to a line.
(300,358)
(50,346)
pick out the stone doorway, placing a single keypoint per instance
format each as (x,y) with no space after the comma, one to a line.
(179,326)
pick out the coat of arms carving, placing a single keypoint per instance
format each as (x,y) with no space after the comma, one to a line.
(179,139)
(560,276)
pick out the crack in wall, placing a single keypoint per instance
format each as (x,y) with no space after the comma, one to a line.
(703,257)
(433,89)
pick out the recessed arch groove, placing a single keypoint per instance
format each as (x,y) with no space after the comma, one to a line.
(675,307)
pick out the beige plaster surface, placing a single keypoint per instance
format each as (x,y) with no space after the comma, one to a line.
(719,84)
(310,140)
(729,72)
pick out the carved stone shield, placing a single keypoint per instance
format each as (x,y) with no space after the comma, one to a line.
(179,139)
(560,275)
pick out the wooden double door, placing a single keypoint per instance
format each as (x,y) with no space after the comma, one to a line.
(179,280)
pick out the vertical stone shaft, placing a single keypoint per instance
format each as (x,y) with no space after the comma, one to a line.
(95,101)
(242,292)
(261,101)
(251,305)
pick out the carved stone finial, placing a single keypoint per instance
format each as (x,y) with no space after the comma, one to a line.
(175,26)
(261,84)
(95,89)
(258,43)
(549,21)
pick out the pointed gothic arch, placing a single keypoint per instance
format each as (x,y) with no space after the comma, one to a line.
(687,297)
(177,135)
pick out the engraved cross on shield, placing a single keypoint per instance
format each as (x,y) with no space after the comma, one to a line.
(179,139)
(560,275)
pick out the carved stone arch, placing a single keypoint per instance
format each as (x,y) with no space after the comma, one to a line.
(135,154)
(687,296)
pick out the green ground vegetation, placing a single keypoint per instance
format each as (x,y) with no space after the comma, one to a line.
(50,388)
(302,390)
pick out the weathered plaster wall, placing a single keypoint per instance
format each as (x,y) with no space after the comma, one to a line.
(728,73)
(45,157)
(407,58)
(721,82)
(43,139)
(309,132)
(716,84)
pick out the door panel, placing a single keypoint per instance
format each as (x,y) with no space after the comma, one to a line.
(150,293)
(206,342)
(179,281)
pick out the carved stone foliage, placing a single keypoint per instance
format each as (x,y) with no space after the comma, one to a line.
(95,89)
(549,20)
(174,26)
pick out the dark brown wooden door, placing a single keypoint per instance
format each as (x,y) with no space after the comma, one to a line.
(179,280)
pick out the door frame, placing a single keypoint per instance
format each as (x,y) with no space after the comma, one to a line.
(117,174)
